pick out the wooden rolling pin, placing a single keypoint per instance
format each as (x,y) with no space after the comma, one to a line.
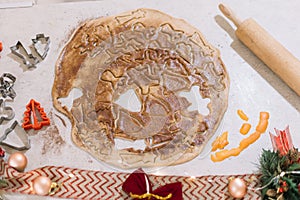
(264,46)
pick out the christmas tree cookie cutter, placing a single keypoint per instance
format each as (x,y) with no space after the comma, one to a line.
(34,116)
(7,81)
(6,112)
(27,58)
(40,45)
(22,135)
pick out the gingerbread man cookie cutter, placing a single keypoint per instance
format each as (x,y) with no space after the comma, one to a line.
(7,81)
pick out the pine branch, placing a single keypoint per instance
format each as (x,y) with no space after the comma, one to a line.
(272,164)
(3,183)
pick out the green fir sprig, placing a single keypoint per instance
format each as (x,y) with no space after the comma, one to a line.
(279,180)
(3,183)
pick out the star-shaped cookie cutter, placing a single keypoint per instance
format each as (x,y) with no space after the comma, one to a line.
(20,132)
(7,81)
(6,112)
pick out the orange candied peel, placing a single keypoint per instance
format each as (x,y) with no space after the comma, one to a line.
(242,115)
(220,142)
(249,140)
(244,143)
(245,128)
(263,122)
(225,153)
(222,155)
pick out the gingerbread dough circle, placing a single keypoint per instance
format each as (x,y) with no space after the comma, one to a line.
(157,56)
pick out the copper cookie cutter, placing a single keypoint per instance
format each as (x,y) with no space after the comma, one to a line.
(32,59)
(7,81)
(22,135)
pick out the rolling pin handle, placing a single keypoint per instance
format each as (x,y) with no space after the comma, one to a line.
(230,14)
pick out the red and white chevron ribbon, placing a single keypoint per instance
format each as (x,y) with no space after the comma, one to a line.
(87,184)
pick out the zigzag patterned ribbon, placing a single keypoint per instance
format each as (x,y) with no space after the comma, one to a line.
(87,184)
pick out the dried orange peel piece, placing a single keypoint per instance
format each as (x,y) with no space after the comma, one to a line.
(222,155)
(249,140)
(242,115)
(225,153)
(220,142)
(263,122)
(245,128)
(244,143)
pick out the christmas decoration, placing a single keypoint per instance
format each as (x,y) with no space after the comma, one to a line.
(18,161)
(237,188)
(280,168)
(41,185)
(282,142)
(2,183)
(2,153)
(88,184)
(138,186)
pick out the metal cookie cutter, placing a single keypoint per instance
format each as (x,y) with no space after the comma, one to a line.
(6,112)
(28,59)
(7,81)
(41,45)
(21,133)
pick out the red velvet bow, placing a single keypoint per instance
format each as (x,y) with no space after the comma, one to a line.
(138,186)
